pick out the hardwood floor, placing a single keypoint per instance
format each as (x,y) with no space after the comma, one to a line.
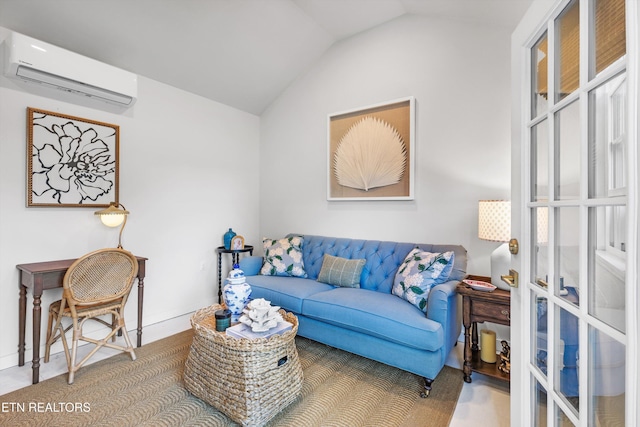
(484,399)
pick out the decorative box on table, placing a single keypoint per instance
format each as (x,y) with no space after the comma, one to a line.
(249,380)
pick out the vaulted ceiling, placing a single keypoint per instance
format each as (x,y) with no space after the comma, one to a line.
(242,53)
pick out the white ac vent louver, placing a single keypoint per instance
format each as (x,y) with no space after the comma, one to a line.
(34,61)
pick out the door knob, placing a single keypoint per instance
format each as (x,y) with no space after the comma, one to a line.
(514,246)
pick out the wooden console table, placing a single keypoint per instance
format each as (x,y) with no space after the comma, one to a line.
(478,306)
(40,276)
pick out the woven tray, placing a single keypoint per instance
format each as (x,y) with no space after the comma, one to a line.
(248,380)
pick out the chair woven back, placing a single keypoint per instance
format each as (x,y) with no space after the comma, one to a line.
(100,276)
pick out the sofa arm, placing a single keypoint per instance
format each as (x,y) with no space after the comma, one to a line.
(442,307)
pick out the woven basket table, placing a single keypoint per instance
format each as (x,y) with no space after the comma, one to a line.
(249,380)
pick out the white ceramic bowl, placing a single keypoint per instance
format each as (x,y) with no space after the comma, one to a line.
(479,285)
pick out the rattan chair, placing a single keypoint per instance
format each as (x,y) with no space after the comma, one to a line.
(95,285)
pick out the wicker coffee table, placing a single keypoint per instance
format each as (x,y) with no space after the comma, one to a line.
(249,380)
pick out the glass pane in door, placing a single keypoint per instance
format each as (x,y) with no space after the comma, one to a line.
(539,404)
(567,50)
(540,161)
(607,265)
(561,418)
(540,332)
(539,73)
(540,250)
(567,278)
(566,353)
(568,152)
(610,33)
(607,364)
(607,139)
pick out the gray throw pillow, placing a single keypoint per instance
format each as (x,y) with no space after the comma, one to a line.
(341,271)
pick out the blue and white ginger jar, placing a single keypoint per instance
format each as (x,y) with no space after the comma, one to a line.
(236,292)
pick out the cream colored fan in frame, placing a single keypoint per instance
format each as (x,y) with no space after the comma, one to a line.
(371,154)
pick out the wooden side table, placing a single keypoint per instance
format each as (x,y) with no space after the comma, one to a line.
(235,259)
(478,306)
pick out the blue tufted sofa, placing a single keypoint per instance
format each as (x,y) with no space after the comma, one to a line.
(369,321)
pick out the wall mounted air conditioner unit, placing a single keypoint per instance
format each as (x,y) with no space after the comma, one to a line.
(37,62)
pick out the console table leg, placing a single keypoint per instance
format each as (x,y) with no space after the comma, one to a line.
(22,313)
(140,298)
(37,316)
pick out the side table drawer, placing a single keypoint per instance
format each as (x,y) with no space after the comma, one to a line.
(486,311)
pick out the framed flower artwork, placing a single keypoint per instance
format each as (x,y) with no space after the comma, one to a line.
(370,153)
(71,162)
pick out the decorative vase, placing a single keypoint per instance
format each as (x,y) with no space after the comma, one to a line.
(236,297)
(227,238)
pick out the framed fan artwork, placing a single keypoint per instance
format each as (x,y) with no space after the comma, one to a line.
(370,154)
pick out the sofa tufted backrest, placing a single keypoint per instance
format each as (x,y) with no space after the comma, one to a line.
(383,258)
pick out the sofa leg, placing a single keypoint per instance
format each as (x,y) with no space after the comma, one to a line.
(427,387)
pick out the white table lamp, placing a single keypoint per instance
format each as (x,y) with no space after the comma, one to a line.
(113,216)
(494,224)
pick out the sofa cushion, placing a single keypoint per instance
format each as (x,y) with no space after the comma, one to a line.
(341,271)
(251,265)
(287,293)
(419,272)
(283,257)
(375,313)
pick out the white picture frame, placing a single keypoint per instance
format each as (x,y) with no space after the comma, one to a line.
(395,120)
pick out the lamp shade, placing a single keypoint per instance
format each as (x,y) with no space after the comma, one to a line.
(494,224)
(494,220)
(112,216)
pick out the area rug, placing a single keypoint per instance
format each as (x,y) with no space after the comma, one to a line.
(339,389)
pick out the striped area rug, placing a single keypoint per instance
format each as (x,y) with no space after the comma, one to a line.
(339,389)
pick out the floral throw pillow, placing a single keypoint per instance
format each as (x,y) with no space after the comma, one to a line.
(419,272)
(283,257)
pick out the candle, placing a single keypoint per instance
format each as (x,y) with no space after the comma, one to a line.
(488,346)
(223,320)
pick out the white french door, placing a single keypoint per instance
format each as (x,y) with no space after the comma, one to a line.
(576,188)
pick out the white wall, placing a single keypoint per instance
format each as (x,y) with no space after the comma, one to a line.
(182,152)
(459,75)
(188,172)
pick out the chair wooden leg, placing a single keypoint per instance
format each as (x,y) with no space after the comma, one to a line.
(47,348)
(65,345)
(129,348)
(77,331)
(114,325)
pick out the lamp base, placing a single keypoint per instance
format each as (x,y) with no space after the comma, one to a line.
(500,264)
